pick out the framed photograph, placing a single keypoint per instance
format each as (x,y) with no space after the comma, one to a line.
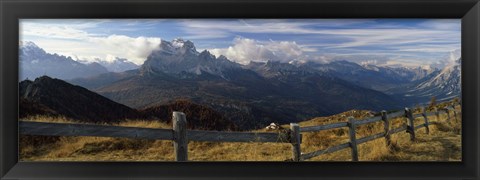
(241,90)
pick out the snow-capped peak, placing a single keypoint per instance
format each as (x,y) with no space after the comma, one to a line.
(180,56)
(447,82)
(178,46)
(117,64)
(29,47)
(370,67)
(178,42)
(454,55)
(26,44)
(426,67)
(297,63)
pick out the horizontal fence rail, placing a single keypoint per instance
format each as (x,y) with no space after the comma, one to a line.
(66,129)
(370,138)
(325,151)
(399,129)
(396,114)
(181,136)
(369,120)
(218,136)
(323,127)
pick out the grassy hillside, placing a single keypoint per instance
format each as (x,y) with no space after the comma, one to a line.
(442,144)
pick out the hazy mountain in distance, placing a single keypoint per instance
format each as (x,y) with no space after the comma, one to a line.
(369,76)
(444,84)
(318,86)
(408,74)
(35,62)
(95,82)
(272,69)
(118,65)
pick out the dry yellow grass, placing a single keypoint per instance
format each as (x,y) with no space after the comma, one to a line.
(443,143)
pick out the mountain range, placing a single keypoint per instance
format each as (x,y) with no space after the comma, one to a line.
(36,62)
(371,76)
(443,84)
(251,96)
(259,93)
(115,65)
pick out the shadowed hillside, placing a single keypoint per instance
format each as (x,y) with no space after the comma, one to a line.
(199,117)
(60,97)
(28,108)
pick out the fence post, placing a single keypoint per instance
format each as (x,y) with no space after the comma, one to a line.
(448,114)
(424,114)
(353,138)
(437,114)
(410,125)
(386,128)
(180,143)
(454,113)
(295,141)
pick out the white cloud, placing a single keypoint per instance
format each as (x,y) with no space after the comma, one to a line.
(134,49)
(110,58)
(394,38)
(245,50)
(442,24)
(57,32)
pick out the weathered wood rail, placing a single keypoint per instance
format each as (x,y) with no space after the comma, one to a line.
(181,136)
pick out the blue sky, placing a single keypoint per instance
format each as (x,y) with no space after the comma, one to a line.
(408,42)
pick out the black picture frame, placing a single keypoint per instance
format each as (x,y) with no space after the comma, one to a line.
(13,10)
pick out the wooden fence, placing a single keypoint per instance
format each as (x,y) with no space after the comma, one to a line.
(385,117)
(181,136)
